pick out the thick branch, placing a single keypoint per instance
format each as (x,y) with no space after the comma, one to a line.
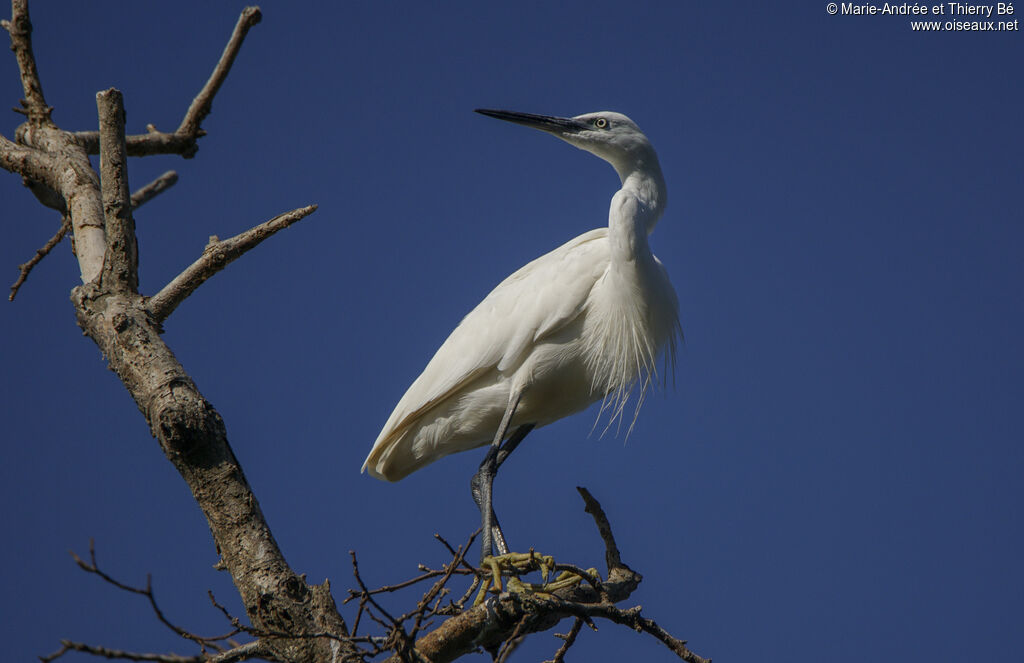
(216,256)
(183,140)
(193,437)
(52,158)
(60,164)
(56,162)
(20,29)
(121,262)
(140,145)
(25,161)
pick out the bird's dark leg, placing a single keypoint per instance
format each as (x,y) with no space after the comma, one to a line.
(497,537)
(483,481)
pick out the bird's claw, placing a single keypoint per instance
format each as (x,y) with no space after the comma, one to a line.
(516,564)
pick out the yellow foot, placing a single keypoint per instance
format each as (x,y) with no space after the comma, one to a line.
(516,564)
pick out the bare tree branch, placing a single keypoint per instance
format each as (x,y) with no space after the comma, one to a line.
(56,162)
(193,437)
(106,652)
(203,641)
(35,168)
(20,29)
(139,198)
(513,641)
(203,102)
(188,428)
(244,652)
(26,268)
(255,649)
(630,617)
(612,557)
(570,639)
(216,256)
(263,633)
(121,260)
(154,189)
(183,141)
(24,160)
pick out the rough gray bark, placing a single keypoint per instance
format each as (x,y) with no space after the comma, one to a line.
(112,313)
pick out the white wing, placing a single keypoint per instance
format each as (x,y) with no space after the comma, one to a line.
(534,302)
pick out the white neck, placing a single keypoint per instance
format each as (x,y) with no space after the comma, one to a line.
(634,212)
(641,176)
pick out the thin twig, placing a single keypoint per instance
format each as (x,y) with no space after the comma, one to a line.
(366,592)
(436,591)
(239,627)
(432,573)
(25,268)
(203,641)
(255,649)
(450,569)
(569,638)
(512,642)
(469,543)
(154,189)
(630,617)
(203,102)
(216,256)
(106,652)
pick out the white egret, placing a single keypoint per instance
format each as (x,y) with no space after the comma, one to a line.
(583,323)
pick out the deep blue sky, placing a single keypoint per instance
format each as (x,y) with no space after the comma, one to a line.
(837,473)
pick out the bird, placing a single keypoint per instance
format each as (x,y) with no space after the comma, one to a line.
(586,322)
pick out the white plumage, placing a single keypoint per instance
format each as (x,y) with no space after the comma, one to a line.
(582,323)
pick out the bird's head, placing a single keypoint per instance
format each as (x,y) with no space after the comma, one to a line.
(609,135)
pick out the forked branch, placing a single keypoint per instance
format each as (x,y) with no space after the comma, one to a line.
(111,312)
(224,648)
(138,199)
(184,139)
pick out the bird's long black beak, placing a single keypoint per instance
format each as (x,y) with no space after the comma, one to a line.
(549,123)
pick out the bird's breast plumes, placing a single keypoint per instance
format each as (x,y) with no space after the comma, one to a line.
(625,333)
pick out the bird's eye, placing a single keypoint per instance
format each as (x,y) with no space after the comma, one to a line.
(601,123)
